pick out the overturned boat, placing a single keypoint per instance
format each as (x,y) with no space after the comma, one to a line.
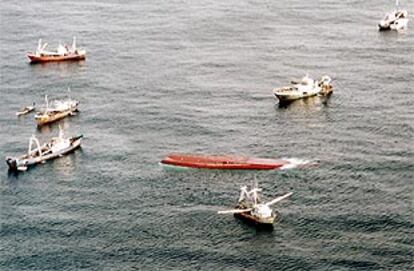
(62,53)
(395,20)
(250,209)
(222,162)
(56,110)
(25,110)
(56,147)
(307,87)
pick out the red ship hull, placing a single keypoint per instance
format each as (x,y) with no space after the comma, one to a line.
(222,162)
(41,59)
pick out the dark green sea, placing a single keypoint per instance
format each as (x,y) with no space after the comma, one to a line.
(197,77)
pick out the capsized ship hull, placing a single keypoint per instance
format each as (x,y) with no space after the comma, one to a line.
(233,162)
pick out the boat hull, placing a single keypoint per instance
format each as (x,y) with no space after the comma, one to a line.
(24,112)
(43,119)
(228,162)
(383,28)
(15,164)
(42,59)
(265,223)
(289,97)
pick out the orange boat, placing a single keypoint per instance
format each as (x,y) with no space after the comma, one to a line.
(222,162)
(63,53)
(49,58)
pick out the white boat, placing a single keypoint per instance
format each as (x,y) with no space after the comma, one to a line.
(250,208)
(56,147)
(307,87)
(25,110)
(395,20)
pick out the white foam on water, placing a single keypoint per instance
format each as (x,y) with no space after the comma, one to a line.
(296,163)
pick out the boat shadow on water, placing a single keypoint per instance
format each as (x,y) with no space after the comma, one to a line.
(53,126)
(259,228)
(392,36)
(64,69)
(12,174)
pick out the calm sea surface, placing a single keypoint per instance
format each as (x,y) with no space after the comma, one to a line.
(197,76)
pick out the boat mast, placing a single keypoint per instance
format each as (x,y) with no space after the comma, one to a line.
(254,190)
(39,47)
(36,141)
(243,193)
(47,103)
(61,133)
(74,44)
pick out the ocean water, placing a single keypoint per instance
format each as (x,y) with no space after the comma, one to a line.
(197,76)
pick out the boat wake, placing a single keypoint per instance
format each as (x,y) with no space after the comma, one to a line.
(298,163)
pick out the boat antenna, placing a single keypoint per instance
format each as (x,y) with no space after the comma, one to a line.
(47,102)
(254,190)
(243,193)
(39,46)
(29,150)
(74,44)
(61,133)
(34,140)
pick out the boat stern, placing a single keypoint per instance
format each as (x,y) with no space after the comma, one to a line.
(12,163)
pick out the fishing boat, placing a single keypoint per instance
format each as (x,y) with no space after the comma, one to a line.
(56,110)
(307,87)
(325,85)
(395,20)
(26,110)
(56,147)
(249,208)
(222,162)
(62,53)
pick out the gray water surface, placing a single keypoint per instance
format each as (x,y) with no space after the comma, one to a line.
(197,77)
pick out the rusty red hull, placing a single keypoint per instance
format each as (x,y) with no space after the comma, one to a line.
(42,59)
(222,162)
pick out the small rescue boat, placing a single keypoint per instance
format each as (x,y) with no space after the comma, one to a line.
(222,162)
(307,87)
(395,20)
(56,147)
(249,208)
(25,110)
(56,110)
(63,53)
